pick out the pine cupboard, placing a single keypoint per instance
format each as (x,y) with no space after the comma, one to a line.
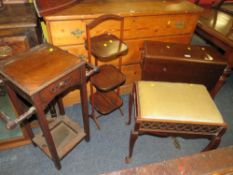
(160,20)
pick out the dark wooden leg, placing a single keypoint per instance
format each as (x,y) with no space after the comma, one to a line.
(130,108)
(19,109)
(118,93)
(47,135)
(130,105)
(229,56)
(84,104)
(221,81)
(52,110)
(121,111)
(133,138)
(61,106)
(215,141)
(93,116)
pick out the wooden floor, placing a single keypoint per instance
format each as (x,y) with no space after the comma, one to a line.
(216,162)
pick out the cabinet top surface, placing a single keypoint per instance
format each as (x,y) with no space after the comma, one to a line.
(17,15)
(92,8)
(39,67)
(218,23)
(182,52)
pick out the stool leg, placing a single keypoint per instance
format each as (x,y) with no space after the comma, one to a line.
(133,138)
(130,105)
(221,81)
(215,140)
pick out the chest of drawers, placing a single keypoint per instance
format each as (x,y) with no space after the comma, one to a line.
(167,21)
(18,29)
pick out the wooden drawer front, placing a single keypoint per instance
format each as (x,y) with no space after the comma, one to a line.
(180,71)
(12,45)
(151,26)
(73,31)
(60,86)
(67,32)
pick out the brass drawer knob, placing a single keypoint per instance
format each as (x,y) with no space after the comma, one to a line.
(180,24)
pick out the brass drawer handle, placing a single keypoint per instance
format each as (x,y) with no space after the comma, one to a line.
(60,85)
(180,24)
(164,69)
(5,51)
(78,33)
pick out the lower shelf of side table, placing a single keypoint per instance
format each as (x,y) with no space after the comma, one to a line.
(66,135)
(106,102)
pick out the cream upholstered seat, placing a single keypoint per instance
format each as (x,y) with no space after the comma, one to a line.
(174,109)
(177,102)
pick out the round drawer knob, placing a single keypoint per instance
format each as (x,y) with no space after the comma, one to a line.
(61,84)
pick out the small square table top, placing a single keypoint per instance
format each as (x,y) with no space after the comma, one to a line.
(39,67)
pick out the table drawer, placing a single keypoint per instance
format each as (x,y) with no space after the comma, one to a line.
(60,86)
